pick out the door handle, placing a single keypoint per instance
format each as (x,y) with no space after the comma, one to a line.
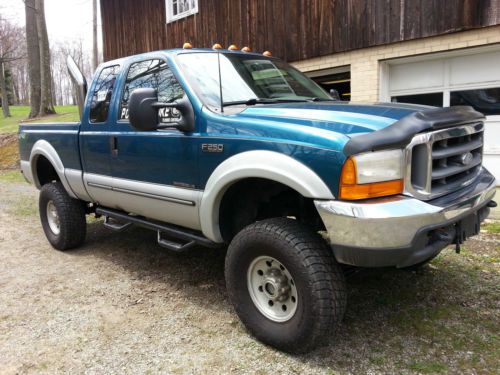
(114,146)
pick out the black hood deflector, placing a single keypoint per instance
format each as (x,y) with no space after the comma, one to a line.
(400,133)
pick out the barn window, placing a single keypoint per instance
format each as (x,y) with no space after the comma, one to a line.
(177,9)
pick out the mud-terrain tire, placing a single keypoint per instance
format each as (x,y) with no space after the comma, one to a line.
(63,218)
(311,284)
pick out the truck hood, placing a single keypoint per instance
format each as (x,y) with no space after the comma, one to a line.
(346,119)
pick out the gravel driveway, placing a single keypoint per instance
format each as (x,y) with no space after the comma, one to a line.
(122,304)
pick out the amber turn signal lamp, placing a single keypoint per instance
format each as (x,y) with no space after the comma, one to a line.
(216,46)
(267,53)
(348,176)
(187,45)
(351,190)
(232,47)
(246,49)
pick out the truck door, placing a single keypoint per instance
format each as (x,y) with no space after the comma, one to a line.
(155,172)
(94,135)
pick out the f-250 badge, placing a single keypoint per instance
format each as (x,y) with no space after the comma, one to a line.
(212,147)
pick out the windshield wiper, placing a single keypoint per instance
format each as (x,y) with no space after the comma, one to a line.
(255,101)
(252,101)
(316,99)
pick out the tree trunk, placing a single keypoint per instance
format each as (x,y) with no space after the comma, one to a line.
(3,87)
(53,84)
(46,103)
(33,57)
(15,89)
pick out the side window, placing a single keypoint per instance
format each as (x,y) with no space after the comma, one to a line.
(101,96)
(157,75)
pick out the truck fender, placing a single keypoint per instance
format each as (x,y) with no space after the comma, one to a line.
(44,148)
(256,164)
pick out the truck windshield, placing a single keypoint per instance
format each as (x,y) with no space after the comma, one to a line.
(247,80)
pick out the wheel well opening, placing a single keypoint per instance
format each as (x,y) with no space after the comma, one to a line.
(255,199)
(45,171)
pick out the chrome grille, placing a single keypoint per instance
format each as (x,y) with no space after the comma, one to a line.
(443,161)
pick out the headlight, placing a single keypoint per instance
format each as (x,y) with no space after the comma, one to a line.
(372,174)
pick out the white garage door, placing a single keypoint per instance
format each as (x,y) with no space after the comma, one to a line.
(468,77)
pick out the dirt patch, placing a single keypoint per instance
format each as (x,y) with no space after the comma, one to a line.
(121,304)
(9,151)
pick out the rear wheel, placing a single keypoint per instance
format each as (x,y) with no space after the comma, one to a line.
(285,284)
(62,217)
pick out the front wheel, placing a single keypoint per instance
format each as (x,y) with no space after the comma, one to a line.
(285,285)
(62,217)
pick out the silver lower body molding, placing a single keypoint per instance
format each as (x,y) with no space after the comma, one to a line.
(75,181)
(26,171)
(166,203)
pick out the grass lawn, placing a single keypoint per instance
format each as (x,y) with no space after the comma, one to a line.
(492,227)
(11,176)
(64,113)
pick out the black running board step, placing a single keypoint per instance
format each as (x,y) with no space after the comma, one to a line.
(174,246)
(190,236)
(117,227)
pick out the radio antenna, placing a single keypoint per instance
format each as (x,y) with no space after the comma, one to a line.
(220,84)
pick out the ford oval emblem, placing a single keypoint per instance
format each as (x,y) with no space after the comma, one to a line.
(466,158)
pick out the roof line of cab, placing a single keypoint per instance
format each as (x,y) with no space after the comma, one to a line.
(178,51)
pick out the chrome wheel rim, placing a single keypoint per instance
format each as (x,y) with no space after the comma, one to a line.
(272,289)
(53,218)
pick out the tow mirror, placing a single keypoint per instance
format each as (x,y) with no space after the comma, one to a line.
(144,108)
(79,81)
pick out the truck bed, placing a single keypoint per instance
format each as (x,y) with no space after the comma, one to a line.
(61,136)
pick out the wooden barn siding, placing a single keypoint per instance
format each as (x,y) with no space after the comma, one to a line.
(291,29)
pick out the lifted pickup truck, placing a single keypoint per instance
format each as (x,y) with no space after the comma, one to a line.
(216,147)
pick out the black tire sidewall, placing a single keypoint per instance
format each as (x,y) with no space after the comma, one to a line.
(283,335)
(71,214)
(47,195)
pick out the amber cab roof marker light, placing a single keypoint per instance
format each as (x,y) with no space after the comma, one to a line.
(246,49)
(216,46)
(350,190)
(232,47)
(187,45)
(267,53)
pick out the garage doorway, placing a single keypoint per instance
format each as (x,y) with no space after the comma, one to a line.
(466,77)
(338,79)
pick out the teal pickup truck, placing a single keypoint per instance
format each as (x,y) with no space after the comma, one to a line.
(241,151)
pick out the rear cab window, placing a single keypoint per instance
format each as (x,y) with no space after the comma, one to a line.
(102,94)
(156,74)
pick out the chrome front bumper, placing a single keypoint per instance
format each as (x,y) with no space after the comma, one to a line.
(395,225)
